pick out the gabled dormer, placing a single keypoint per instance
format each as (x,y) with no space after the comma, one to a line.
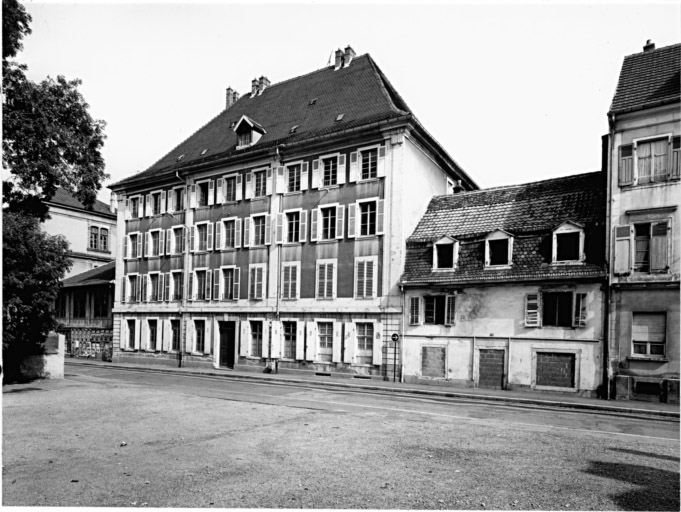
(248,132)
(499,249)
(568,244)
(445,254)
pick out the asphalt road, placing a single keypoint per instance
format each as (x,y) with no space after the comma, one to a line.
(114,437)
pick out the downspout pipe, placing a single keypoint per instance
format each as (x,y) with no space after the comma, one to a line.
(185,280)
(404,313)
(608,280)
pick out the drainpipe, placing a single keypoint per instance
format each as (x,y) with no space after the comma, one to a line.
(404,312)
(608,280)
(185,277)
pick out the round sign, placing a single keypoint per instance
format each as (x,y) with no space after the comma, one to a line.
(395,337)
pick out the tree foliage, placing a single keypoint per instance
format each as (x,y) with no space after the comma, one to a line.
(49,138)
(33,265)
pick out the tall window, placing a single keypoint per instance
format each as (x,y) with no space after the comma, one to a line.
(99,238)
(156,203)
(256,285)
(175,335)
(256,338)
(131,334)
(259,224)
(293,177)
(438,309)
(293,227)
(649,332)
(328,223)
(177,286)
(365,336)
(153,334)
(289,288)
(369,160)
(330,171)
(228,283)
(94,237)
(156,293)
(178,199)
(230,234)
(103,239)
(200,284)
(365,277)
(326,280)
(200,332)
(178,240)
(202,190)
(230,188)
(259,183)
(325,336)
(244,138)
(79,304)
(154,237)
(100,301)
(367,218)
(202,237)
(135,207)
(289,340)
(133,288)
(133,248)
(557,309)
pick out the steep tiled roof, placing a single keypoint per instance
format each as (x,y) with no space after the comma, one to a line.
(359,91)
(529,212)
(648,79)
(65,198)
(100,275)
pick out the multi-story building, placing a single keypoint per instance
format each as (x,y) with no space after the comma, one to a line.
(91,232)
(505,288)
(275,234)
(644,193)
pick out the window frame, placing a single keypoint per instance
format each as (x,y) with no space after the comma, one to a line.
(159,286)
(148,348)
(261,171)
(155,195)
(140,207)
(334,285)
(176,192)
(455,254)
(296,291)
(173,295)
(449,306)
(287,171)
(236,283)
(360,161)
(200,293)
(223,234)
(135,290)
(322,171)
(263,292)
(358,230)
(252,219)
(636,174)
(534,308)
(648,355)
(568,228)
(499,234)
(373,260)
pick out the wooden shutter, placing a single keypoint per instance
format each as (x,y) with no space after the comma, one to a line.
(237,275)
(123,279)
(352,222)
(281,180)
(337,341)
(171,200)
(192,196)
(139,245)
(190,337)
(237,233)
(275,346)
(331,278)
(312,342)
(207,337)
(626,165)
(300,340)
(216,284)
(303,225)
(192,238)
(380,167)
(354,167)
(244,342)
(207,284)
(138,287)
(218,236)
(341,170)
(169,240)
(532,310)
(249,185)
(239,188)
(314,223)
(350,342)
(321,280)
(247,231)
(166,335)
(316,182)
(659,247)
(127,209)
(161,242)
(137,334)
(211,193)
(675,164)
(190,292)
(161,287)
(125,247)
(150,212)
(209,236)
(414,310)
(304,176)
(340,221)
(220,191)
(147,244)
(295,281)
(580,311)
(286,282)
(163,202)
(378,344)
(623,248)
(379,216)
(450,309)
(360,266)
(268,229)
(265,337)
(280,228)
(268,182)
(166,288)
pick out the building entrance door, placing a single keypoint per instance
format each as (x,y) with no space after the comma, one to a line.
(227,343)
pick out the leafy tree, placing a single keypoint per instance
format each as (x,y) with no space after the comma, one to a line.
(49,138)
(33,265)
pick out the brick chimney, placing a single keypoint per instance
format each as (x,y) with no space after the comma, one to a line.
(263,84)
(339,59)
(349,55)
(231,97)
(650,46)
(254,87)
(457,187)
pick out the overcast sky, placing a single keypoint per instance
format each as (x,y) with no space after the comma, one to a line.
(514,92)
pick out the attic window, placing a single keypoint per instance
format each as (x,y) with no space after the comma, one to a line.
(204,151)
(232,124)
(568,244)
(445,254)
(180,157)
(293,129)
(498,250)
(339,117)
(313,101)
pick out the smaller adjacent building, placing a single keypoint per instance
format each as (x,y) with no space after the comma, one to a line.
(84,311)
(505,288)
(91,232)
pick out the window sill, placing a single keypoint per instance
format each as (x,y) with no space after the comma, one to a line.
(103,251)
(369,180)
(201,207)
(293,193)
(568,262)
(497,267)
(325,298)
(632,186)
(327,187)
(366,237)
(289,300)
(329,241)
(648,359)
(228,249)
(259,198)
(292,244)
(451,269)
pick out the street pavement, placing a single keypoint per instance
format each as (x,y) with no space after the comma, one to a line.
(545,399)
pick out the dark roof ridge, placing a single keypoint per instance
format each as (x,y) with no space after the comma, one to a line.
(652,51)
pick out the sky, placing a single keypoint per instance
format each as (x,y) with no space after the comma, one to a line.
(514,92)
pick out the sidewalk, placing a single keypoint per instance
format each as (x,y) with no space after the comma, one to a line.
(518,397)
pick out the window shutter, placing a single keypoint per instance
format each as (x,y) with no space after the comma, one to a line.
(450,309)
(169,239)
(147,244)
(353,167)
(286,282)
(580,312)
(150,212)
(352,223)
(190,292)
(237,233)
(161,242)
(137,334)
(350,342)
(280,228)
(208,284)
(182,291)
(252,278)
(321,280)
(211,193)
(171,200)
(138,288)
(337,341)
(192,196)
(281,180)
(623,246)
(275,346)
(216,284)
(359,278)
(331,278)
(218,235)
(626,165)
(123,289)
(312,342)
(249,185)
(237,274)
(189,342)
(125,247)
(268,182)
(532,310)
(316,182)
(127,209)
(658,247)
(209,243)
(303,225)
(247,231)
(378,344)
(139,245)
(268,229)
(161,287)
(675,165)
(295,281)
(379,216)
(220,191)
(414,310)
(341,169)
(244,342)
(191,238)
(304,176)
(300,340)
(163,201)
(265,337)
(314,230)
(370,283)
(340,221)
(239,188)
(166,288)
(166,334)
(144,335)
(380,168)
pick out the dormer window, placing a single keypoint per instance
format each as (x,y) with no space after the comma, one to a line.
(498,249)
(445,254)
(568,244)
(248,132)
